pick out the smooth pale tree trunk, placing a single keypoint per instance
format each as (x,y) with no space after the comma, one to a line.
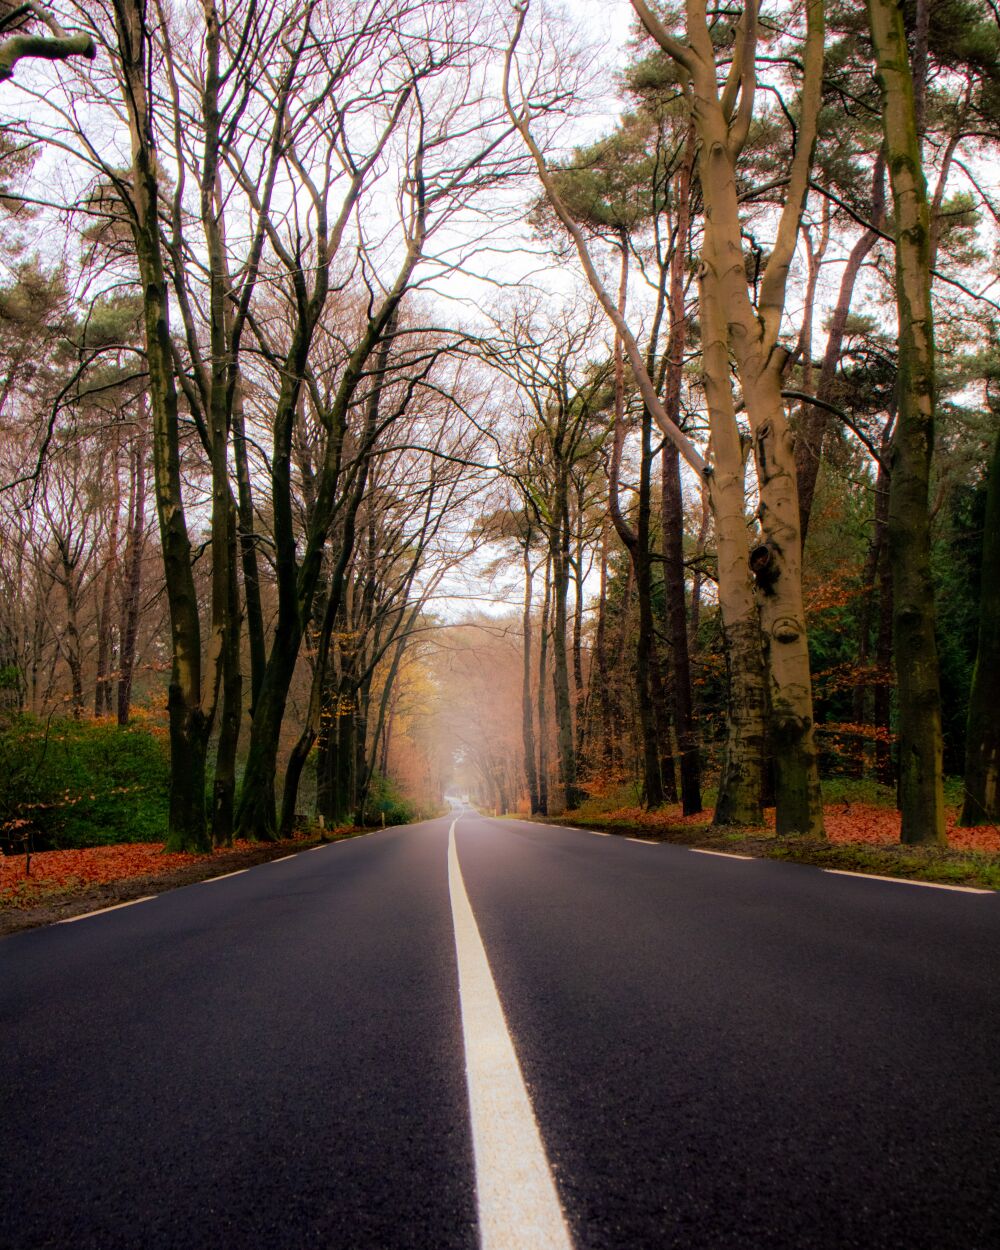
(751,332)
(921,797)
(741,776)
(982,741)
(752,335)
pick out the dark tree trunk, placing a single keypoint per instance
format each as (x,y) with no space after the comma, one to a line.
(543,726)
(188,724)
(527,708)
(874,562)
(646,663)
(560,675)
(134,545)
(921,794)
(105,643)
(982,742)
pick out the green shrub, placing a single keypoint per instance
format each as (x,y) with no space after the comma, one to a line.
(384,799)
(82,783)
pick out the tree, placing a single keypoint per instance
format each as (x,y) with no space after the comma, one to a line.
(921,797)
(732,321)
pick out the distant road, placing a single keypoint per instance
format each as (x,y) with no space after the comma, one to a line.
(693,1051)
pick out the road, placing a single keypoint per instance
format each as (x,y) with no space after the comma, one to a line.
(693,1051)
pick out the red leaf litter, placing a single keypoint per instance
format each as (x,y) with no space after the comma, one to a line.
(879,826)
(865,823)
(94,865)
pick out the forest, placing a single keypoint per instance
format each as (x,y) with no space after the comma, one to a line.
(577,408)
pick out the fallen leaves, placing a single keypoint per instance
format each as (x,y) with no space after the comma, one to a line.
(57,871)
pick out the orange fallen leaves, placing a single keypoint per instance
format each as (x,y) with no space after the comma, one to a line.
(94,865)
(845,822)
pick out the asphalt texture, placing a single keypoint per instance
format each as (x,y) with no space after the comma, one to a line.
(720,1053)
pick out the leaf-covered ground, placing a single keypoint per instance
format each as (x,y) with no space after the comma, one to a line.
(861,836)
(66,883)
(865,823)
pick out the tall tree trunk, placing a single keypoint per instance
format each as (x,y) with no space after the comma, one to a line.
(673,500)
(334,600)
(579,691)
(560,668)
(543,724)
(982,736)
(885,771)
(248,551)
(646,660)
(105,643)
(599,702)
(741,775)
(189,725)
(921,793)
(752,330)
(636,543)
(874,564)
(527,706)
(134,548)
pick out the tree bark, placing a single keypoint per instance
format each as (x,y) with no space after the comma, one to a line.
(134,546)
(982,740)
(188,724)
(543,727)
(921,794)
(559,547)
(673,501)
(527,708)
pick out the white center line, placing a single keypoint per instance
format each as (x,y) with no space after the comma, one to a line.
(518,1205)
(644,841)
(930,885)
(101,910)
(723,854)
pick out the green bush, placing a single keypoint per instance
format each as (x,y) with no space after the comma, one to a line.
(384,799)
(82,783)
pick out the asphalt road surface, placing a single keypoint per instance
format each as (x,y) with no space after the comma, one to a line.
(693,1051)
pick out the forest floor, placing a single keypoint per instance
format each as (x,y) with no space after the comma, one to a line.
(63,884)
(862,836)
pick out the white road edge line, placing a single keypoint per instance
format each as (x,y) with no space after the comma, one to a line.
(281,858)
(600,832)
(929,885)
(101,910)
(723,854)
(518,1205)
(644,841)
(222,876)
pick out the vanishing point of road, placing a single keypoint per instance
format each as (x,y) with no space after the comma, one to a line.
(499,1033)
